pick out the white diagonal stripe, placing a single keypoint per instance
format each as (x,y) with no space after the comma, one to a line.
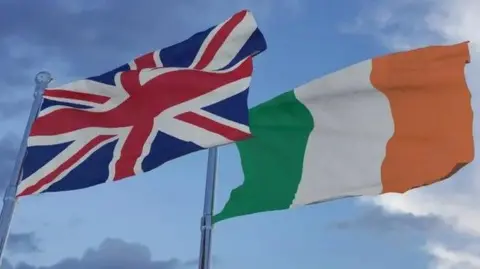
(234,43)
(242,127)
(54,164)
(212,97)
(189,132)
(205,43)
(157,59)
(80,134)
(91,87)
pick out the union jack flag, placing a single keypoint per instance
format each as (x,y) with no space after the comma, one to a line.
(163,105)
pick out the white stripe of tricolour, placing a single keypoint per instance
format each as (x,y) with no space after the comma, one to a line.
(233,124)
(347,146)
(57,161)
(205,44)
(233,43)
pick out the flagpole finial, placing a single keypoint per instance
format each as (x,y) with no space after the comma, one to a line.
(43,78)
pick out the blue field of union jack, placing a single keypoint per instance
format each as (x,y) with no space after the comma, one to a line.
(163,105)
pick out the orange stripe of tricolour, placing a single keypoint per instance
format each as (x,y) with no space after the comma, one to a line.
(430,105)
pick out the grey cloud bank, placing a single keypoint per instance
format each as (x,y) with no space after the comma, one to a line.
(114,254)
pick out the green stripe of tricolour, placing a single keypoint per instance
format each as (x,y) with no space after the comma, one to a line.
(272,160)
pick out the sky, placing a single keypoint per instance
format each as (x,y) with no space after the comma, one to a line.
(152,220)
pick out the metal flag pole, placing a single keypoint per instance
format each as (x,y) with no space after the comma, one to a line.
(206,225)
(42,80)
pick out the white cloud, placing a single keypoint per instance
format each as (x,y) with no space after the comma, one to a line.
(406,24)
(452,259)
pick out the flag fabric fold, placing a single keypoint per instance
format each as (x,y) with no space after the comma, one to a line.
(388,124)
(162,105)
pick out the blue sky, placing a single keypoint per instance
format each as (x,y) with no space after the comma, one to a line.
(159,212)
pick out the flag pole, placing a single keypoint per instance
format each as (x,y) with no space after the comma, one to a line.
(206,223)
(42,80)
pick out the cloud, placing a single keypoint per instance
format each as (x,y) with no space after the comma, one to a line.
(376,220)
(86,36)
(445,258)
(413,23)
(112,253)
(22,243)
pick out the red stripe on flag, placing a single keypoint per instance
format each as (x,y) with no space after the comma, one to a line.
(64,166)
(145,61)
(219,39)
(93,98)
(132,149)
(226,131)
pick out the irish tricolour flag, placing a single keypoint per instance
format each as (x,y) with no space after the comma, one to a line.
(388,124)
